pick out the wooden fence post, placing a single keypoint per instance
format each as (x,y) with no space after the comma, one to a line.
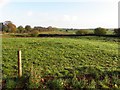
(19,64)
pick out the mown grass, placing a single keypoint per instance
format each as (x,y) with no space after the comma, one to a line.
(61,57)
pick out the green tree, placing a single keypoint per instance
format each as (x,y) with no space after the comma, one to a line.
(20,29)
(28,28)
(117,31)
(100,31)
(5,28)
(82,32)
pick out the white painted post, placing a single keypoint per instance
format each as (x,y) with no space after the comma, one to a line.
(19,64)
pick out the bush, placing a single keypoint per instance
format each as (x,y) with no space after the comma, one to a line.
(100,31)
(34,33)
(82,32)
(56,84)
(10,83)
(117,31)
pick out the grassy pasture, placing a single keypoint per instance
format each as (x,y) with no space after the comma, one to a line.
(54,56)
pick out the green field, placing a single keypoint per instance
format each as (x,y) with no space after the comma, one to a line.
(63,57)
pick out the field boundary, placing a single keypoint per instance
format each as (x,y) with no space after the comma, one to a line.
(73,35)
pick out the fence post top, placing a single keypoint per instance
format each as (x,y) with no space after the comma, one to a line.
(19,49)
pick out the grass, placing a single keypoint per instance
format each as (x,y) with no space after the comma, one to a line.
(61,57)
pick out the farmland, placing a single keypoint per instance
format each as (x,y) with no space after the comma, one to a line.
(63,58)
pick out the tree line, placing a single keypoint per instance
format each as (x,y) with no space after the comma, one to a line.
(9,27)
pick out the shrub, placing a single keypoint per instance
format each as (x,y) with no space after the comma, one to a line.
(56,84)
(100,31)
(10,84)
(34,33)
(82,32)
(117,31)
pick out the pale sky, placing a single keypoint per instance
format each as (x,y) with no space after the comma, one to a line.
(61,13)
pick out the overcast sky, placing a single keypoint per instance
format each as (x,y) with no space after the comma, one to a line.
(63,14)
